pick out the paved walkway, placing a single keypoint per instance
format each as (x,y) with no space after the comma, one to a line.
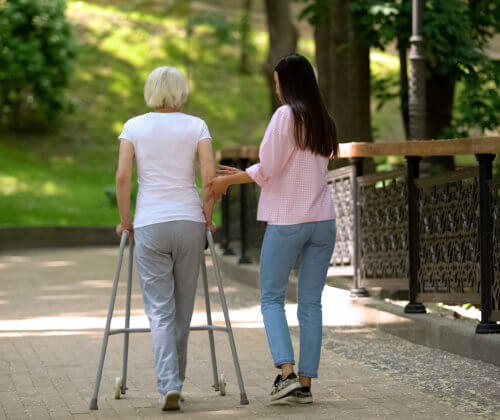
(53,307)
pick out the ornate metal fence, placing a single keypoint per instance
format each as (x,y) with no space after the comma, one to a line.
(383,215)
(341,182)
(495,288)
(438,237)
(448,209)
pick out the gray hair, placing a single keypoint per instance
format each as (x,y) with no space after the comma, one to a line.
(166,86)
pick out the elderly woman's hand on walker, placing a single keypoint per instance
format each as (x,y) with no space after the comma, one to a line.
(122,227)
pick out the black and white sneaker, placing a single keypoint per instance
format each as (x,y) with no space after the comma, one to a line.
(301,396)
(284,387)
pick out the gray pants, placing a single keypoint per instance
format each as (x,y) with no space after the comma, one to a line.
(168,259)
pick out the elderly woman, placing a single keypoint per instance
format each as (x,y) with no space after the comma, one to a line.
(169,224)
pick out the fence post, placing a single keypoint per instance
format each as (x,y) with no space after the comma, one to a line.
(226,216)
(243,217)
(486,244)
(357,290)
(413,306)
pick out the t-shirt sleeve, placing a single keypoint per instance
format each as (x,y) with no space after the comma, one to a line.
(127,133)
(204,133)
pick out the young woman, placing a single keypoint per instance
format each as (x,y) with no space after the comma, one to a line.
(297,205)
(169,224)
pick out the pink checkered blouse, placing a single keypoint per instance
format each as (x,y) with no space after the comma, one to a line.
(294,182)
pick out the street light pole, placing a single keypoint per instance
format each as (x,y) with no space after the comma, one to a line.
(417,75)
(417,132)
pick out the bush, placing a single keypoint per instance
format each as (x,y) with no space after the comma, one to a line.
(37,52)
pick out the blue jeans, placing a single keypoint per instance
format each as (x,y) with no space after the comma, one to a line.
(313,244)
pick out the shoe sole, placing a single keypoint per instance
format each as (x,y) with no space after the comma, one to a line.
(171,402)
(303,400)
(285,392)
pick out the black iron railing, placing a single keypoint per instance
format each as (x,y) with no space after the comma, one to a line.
(437,236)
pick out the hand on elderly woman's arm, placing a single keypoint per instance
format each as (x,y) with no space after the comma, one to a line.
(124,185)
(220,184)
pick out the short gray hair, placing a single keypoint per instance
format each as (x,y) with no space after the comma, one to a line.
(166,86)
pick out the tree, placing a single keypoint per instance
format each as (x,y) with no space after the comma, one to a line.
(246,46)
(455,34)
(343,62)
(283,37)
(37,56)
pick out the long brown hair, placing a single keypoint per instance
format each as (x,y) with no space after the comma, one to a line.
(314,128)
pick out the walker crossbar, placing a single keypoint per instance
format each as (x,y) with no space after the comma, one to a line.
(146,330)
(121,383)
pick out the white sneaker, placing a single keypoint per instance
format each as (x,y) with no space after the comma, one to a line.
(170,401)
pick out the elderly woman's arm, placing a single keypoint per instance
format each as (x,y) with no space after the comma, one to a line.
(124,185)
(205,154)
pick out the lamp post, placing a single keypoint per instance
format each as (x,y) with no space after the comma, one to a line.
(417,132)
(417,75)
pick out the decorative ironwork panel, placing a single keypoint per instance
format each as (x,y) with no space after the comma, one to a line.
(448,235)
(341,185)
(495,287)
(383,207)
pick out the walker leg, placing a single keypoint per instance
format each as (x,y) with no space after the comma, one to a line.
(93,401)
(209,322)
(127,314)
(243,395)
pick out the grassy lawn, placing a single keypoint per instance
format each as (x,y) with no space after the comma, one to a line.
(61,177)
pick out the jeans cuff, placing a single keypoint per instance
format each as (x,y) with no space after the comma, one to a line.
(283,361)
(308,374)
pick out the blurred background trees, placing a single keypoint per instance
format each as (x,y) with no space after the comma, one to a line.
(37,53)
(72,71)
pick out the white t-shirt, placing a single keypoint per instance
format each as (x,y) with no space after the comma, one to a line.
(165,150)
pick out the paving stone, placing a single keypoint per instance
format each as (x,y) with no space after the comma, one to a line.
(51,332)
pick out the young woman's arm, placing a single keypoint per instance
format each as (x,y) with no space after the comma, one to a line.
(124,185)
(220,184)
(275,151)
(205,154)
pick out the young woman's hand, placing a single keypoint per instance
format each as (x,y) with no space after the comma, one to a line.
(218,186)
(125,226)
(227,170)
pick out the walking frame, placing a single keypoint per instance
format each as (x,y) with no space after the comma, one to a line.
(121,383)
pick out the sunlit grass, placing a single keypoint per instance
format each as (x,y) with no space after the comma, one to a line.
(61,177)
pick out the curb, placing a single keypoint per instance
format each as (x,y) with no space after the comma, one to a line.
(16,238)
(32,237)
(430,330)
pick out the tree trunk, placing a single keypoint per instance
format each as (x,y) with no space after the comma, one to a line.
(245,38)
(344,73)
(282,40)
(403,77)
(440,92)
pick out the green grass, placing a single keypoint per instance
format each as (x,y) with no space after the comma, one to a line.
(60,177)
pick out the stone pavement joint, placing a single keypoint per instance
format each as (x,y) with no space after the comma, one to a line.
(53,305)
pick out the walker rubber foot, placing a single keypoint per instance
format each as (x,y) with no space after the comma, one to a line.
(243,399)
(93,404)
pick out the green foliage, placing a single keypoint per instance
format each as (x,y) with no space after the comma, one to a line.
(37,55)
(315,11)
(222,30)
(60,177)
(455,33)
(477,103)
(384,88)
